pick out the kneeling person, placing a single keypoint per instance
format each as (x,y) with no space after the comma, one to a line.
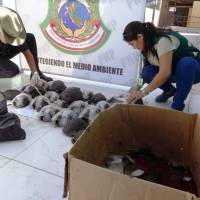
(15,40)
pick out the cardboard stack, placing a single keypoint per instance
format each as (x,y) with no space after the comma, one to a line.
(174,135)
(194,15)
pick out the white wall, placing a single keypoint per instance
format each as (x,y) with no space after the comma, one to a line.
(149,14)
(9,3)
(115,53)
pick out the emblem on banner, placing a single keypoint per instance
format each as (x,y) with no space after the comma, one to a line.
(75,26)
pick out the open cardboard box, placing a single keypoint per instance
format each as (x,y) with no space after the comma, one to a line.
(174,135)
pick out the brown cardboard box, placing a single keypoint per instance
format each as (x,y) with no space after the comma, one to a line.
(194,15)
(175,135)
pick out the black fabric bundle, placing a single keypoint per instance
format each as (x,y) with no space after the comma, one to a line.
(10,126)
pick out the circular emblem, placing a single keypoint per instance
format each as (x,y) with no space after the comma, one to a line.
(75,27)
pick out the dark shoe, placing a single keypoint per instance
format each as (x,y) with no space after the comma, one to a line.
(46,78)
(165,95)
(42,76)
(139,101)
(178,106)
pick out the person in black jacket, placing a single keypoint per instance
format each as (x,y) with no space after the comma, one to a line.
(169,58)
(13,40)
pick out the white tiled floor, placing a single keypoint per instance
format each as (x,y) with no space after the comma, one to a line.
(195,104)
(35,129)
(22,182)
(51,148)
(33,169)
(3,161)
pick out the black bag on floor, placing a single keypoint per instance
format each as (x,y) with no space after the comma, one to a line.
(10,127)
(3,104)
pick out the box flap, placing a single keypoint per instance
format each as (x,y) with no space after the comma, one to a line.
(195,154)
(89,182)
(95,143)
(168,133)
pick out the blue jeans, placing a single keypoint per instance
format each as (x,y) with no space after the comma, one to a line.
(187,73)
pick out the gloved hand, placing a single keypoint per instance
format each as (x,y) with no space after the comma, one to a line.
(35,78)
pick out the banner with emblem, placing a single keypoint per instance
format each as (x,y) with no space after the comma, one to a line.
(83,38)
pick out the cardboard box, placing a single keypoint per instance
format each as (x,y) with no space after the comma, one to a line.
(194,15)
(175,135)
